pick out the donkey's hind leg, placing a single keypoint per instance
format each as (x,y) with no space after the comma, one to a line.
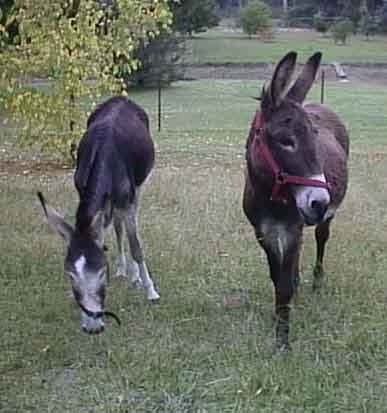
(125,264)
(137,252)
(321,235)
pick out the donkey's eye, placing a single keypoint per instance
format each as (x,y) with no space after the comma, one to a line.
(287,121)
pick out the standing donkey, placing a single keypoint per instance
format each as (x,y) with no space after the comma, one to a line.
(296,175)
(114,158)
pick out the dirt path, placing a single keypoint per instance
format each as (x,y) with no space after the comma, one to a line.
(373,73)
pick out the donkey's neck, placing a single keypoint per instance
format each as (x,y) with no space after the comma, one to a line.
(98,188)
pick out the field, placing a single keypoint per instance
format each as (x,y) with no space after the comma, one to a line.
(218,46)
(208,346)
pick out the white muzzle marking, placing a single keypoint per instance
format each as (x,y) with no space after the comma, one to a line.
(308,196)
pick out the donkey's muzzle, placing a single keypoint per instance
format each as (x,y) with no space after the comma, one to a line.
(92,321)
(312,202)
(316,211)
(96,330)
(319,208)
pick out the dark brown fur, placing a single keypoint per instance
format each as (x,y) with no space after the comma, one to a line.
(305,141)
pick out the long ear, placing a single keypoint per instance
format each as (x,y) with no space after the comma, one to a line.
(305,80)
(56,221)
(282,77)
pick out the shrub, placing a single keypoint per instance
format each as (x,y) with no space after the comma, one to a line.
(342,30)
(194,16)
(301,15)
(160,58)
(255,18)
(383,20)
(368,26)
(320,24)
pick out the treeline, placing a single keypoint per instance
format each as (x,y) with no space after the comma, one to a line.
(327,7)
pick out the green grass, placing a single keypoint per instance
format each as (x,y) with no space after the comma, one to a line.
(208,346)
(234,47)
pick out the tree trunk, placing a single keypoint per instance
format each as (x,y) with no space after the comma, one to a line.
(364,7)
(285,6)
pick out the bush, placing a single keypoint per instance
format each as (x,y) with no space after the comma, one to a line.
(368,26)
(160,60)
(255,18)
(9,26)
(383,20)
(342,30)
(320,24)
(194,16)
(301,15)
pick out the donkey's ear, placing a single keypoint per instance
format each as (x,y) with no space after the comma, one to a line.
(305,80)
(282,77)
(56,221)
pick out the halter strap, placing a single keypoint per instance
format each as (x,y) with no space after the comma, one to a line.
(99,314)
(281,179)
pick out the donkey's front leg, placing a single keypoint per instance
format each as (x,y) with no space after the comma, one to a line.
(125,264)
(282,246)
(121,258)
(138,254)
(322,236)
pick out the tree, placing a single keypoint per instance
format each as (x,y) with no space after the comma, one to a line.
(383,19)
(194,16)
(351,9)
(368,25)
(342,30)
(8,24)
(160,60)
(81,46)
(255,18)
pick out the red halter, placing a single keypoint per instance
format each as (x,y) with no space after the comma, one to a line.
(281,179)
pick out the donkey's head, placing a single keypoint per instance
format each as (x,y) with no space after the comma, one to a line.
(86,266)
(290,136)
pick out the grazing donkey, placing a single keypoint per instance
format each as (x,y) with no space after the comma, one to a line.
(296,175)
(114,158)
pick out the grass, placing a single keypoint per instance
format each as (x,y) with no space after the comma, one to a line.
(234,47)
(207,347)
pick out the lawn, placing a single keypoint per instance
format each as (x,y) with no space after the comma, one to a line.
(217,46)
(208,345)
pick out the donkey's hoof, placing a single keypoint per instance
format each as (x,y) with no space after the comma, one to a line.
(317,285)
(281,341)
(282,348)
(153,297)
(318,279)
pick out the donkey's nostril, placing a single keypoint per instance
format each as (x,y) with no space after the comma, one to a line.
(319,208)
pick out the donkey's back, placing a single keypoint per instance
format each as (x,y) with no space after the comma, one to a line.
(333,147)
(116,153)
